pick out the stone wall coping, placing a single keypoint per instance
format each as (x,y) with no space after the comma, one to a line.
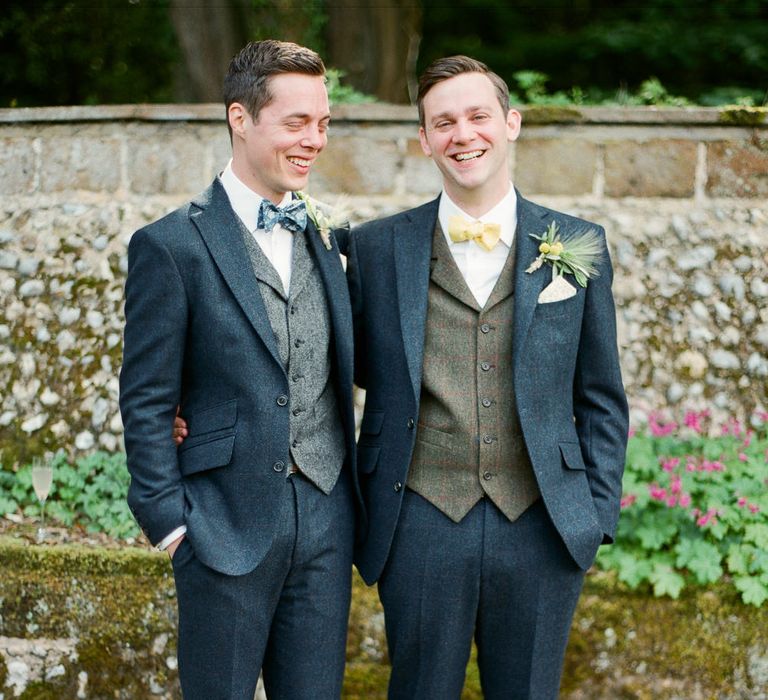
(381,112)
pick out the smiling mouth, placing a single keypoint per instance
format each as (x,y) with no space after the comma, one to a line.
(301,162)
(471,155)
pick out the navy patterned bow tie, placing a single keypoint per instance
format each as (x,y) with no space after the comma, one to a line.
(292,217)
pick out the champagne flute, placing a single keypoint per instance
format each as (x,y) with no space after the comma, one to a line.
(42,479)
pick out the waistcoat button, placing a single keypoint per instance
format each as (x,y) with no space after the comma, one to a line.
(282,400)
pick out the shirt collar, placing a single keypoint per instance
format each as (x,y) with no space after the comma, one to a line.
(503,213)
(244,201)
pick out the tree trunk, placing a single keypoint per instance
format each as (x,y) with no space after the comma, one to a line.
(210,33)
(376,45)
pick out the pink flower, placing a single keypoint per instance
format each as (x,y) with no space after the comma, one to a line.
(754,508)
(657,492)
(628,500)
(685,500)
(671,501)
(743,457)
(710,517)
(690,467)
(693,420)
(676,485)
(659,429)
(669,465)
(632,432)
(763,416)
(741,502)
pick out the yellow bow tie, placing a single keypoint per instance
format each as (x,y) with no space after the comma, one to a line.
(485,235)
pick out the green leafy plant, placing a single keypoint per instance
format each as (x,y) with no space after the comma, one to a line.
(89,492)
(343,94)
(694,508)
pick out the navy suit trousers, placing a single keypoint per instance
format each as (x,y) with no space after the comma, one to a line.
(287,616)
(510,585)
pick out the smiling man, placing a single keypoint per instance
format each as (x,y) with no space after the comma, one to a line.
(237,312)
(492,442)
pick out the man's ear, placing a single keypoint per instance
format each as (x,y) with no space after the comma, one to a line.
(423,141)
(514,122)
(236,116)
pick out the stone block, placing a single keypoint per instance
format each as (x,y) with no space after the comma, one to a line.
(80,163)
(17,166)
(654,168)
(555,166)
(357,165)
(421,174)
(172,163)
(737,168)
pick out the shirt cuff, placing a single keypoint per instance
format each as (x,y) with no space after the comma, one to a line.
(178,532)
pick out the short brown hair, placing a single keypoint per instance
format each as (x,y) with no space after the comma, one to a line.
(247,79)
(445,68)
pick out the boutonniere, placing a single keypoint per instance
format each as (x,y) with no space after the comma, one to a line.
(576,254)
(325,217)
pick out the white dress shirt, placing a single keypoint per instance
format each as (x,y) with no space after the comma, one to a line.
(481,268)
(277,245)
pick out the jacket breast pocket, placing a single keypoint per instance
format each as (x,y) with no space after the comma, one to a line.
(211,438)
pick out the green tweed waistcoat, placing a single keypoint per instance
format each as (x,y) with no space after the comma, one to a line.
(468,440)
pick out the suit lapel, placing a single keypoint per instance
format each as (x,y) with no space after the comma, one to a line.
(413,249)
(530,219)
(220,229)
(337,294)
(445,272)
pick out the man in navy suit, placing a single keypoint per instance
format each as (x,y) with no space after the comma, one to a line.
(493,438)
(237,312)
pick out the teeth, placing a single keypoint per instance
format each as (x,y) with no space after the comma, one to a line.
(299,161)
(469,156)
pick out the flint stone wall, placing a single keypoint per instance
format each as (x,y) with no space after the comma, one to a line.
(682,194)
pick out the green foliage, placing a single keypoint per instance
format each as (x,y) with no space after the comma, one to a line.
(529,87)
(89,492)
(695,509)
(691,47)
(343,94)
(58,53)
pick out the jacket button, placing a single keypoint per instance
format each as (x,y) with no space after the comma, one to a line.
(278,466)
(487,439)
(410,424)
(485,328)
(487,403)
(487,476)
(398,486)
(485,366)
(282,400)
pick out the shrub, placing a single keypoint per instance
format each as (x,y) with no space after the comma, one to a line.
(695,508)
(89,492)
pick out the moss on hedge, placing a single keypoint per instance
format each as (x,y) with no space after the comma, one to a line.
(116,603)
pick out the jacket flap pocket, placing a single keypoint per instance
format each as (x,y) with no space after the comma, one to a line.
(372,422)
(207,455)
(572,455)
(209,420)
(367,458)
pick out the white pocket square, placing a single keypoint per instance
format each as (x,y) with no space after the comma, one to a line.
(557,290)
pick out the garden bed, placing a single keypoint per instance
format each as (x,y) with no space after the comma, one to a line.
(95,621)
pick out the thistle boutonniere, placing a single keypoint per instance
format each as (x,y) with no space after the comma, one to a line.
(576,254)
(325,217)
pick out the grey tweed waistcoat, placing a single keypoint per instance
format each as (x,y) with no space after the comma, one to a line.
(469,443)
(302,328)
